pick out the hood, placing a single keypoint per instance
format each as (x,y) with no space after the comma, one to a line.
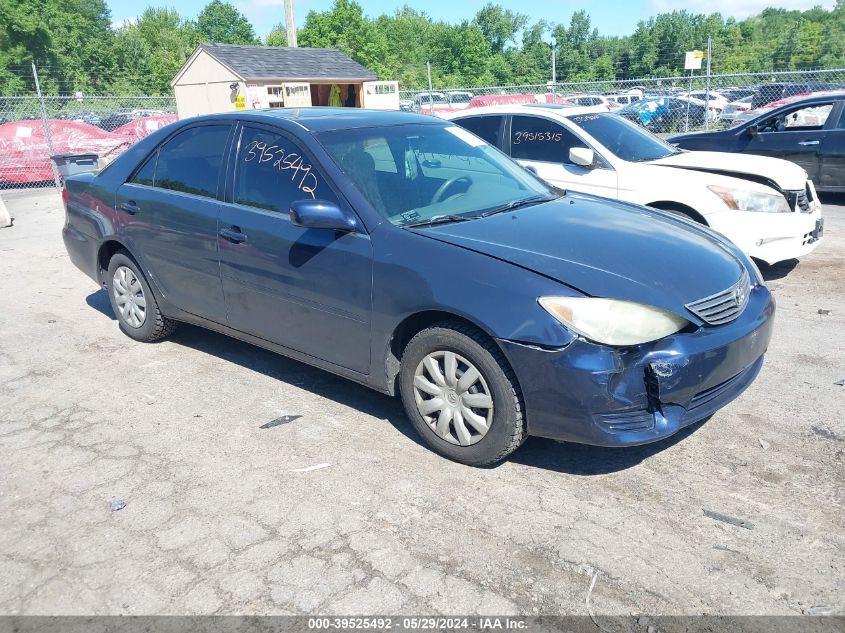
(604,248)
(787,176)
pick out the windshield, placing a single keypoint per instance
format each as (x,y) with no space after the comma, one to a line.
(413,173)
(623,138)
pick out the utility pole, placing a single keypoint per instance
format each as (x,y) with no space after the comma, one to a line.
(290,24)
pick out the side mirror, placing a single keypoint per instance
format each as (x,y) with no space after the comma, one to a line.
(530,168)
(321,214)
(752,130)
(582,156)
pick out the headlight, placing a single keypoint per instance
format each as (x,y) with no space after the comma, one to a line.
(611,321)
(744,200)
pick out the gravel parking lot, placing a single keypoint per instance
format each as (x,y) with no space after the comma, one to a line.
(226,516)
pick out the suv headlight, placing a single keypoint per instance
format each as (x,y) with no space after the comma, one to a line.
(612,321)
(744,200)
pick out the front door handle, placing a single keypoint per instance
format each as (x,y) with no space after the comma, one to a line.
(130,207)
(808,143)
(233,234)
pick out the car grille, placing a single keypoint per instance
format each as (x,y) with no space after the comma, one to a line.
(800,200)
(703,398)
(723,307)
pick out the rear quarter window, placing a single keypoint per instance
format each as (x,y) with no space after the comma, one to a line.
(486,127)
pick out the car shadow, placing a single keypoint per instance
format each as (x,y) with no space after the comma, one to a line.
(99,300)
(776,271)
(320,383)
(561,457)
(584,460)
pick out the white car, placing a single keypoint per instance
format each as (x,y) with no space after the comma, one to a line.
(735,108)
(593,103)
(766,206)
(623,100)
(716,103)
(459,99)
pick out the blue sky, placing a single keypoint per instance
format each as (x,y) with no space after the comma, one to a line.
(611,17)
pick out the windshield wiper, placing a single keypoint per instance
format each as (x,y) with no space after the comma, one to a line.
(440,219)
(516,204)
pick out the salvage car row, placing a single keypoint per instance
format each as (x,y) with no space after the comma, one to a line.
(412,255)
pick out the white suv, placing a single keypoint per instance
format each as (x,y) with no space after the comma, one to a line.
(766,206)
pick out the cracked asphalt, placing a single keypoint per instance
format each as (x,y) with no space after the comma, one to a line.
(218,520)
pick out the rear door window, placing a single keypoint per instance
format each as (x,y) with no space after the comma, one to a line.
(536,138)
(190,162)
(272,172)
(487,127)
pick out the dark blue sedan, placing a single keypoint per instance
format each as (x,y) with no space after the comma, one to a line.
(404,253)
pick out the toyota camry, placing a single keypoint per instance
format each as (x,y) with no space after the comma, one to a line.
(403,252)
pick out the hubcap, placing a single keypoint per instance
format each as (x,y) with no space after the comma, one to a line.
(453,398)
(129,297)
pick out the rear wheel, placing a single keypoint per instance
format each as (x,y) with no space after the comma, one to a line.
(133,302)
(461,395)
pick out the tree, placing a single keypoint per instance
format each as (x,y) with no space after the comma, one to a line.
(345,26)
(278,36)
(499,26)
(222,23)
(169,39)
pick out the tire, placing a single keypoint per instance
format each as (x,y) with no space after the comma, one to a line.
(504,421)
(128,289)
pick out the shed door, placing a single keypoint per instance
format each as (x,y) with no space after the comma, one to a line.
(381,95)
(297,95)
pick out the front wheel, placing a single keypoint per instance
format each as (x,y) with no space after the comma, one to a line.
(133,302)
(461,395)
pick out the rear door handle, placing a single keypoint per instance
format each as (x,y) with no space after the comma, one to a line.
(233,234)
(130,207)
(808,143)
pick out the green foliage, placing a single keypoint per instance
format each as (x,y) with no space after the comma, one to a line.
(77,49)
(278,36)
(222,23)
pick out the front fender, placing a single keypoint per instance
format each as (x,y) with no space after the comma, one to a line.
(413,273)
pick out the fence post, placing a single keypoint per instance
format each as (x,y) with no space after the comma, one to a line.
(430,96)
(46,124)
(707,87)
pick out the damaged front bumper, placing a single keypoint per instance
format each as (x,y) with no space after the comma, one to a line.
(772,237)
(596,394)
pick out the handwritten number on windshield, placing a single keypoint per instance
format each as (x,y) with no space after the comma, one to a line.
(518,137)
(302,174)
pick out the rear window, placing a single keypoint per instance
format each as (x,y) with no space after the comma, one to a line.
(486,127)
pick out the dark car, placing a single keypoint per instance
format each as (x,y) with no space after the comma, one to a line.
(115,120)
(403,252)
(769,93)
(809,132)
(665,114)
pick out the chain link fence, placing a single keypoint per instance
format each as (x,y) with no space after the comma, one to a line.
(33,128)
(664,105)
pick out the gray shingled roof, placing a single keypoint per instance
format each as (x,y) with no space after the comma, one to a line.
(289,64)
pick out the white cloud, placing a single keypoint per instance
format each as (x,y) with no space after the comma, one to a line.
(735,9)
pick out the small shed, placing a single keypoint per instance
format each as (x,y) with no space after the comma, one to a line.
(227,77)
